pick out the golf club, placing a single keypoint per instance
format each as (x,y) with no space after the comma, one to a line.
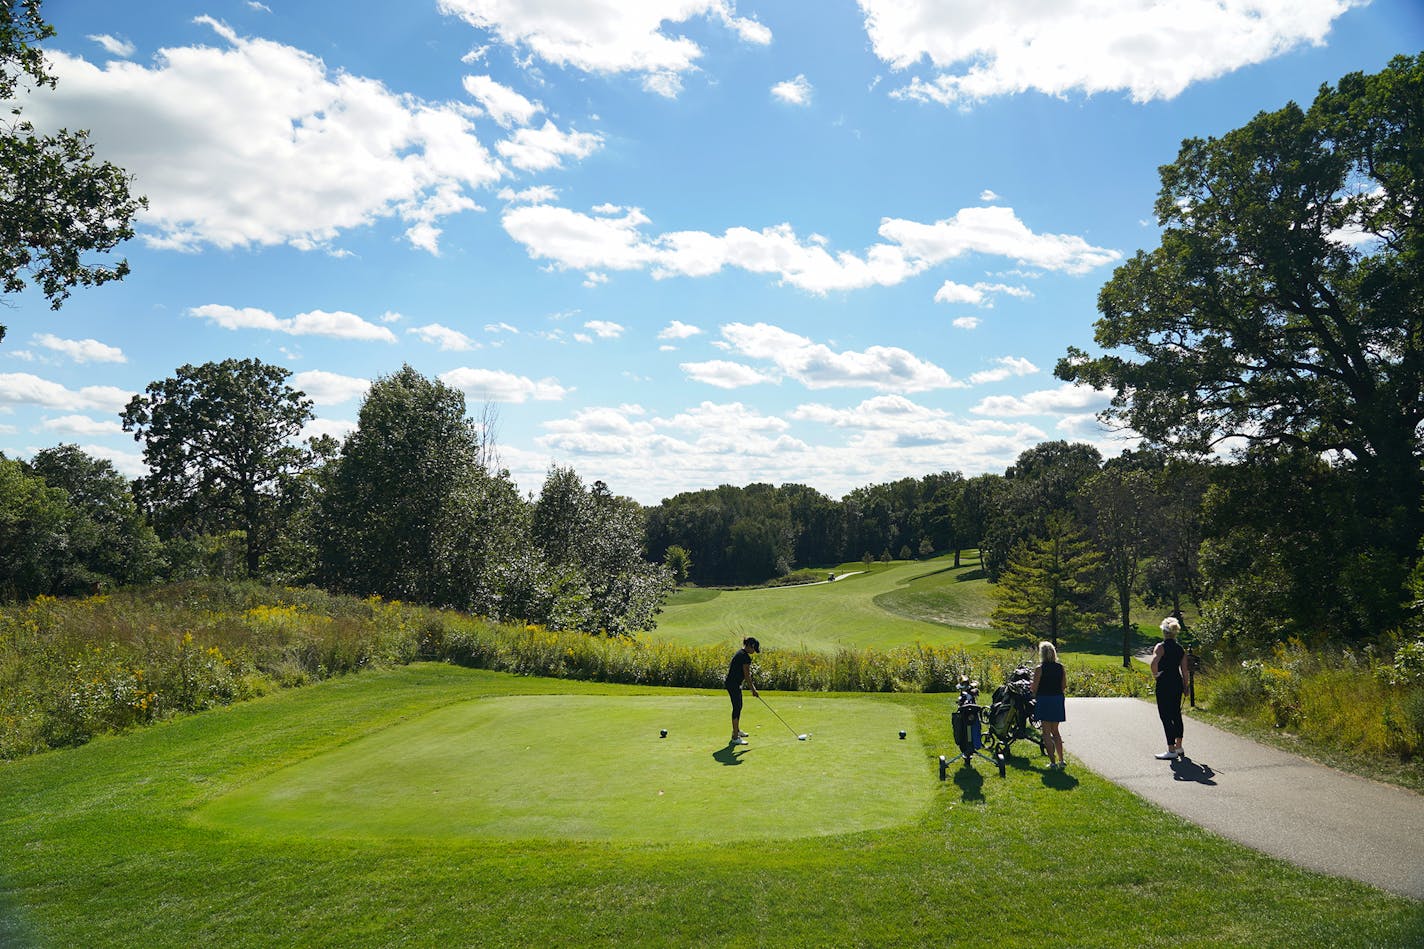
(783,721)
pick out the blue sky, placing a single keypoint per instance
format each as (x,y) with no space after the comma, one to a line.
(675,243)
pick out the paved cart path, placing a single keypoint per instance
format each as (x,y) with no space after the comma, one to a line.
(1268,799)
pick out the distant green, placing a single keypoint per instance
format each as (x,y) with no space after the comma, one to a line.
(879,606)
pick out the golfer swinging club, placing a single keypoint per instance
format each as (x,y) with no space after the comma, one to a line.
(738,672)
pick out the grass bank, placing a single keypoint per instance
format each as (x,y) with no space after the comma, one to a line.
(106,845)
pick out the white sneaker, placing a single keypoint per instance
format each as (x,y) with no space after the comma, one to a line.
(743,735)
(1167,755)
(739,740)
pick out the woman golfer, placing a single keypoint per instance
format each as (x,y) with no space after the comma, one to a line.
(739,672)
(1169,668)
(1049,682)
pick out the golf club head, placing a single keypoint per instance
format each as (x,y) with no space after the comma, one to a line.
(805,737)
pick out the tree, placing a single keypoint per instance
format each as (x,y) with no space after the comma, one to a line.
(679,563)
(383,526)
(1121,509)
(107,541)
(34,521)
(1052,585)
(1043,480)
(219,442)
(57,203)
(1284,306)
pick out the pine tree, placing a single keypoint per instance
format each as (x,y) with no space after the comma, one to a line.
(1052,585)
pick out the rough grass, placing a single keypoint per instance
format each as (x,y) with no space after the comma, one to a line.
(101,848)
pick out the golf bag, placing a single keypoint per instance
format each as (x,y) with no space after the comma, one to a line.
(966,720)
(1013,707)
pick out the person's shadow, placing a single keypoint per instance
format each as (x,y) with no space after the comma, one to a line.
(730,754)
(1058,780)
(1185,769)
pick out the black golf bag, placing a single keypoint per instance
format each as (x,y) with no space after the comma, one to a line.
(1013,707)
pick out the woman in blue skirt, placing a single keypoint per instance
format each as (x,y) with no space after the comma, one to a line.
(1049,683)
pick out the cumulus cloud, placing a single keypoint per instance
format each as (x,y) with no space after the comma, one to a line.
(496,385)
(965,322)
(815,365)
(678,330)
(1148,49)
(980,294)
(793,91)
(614,239)
(1067,399)
(608,36)
(1007,367)
(82,425)
(329,388)
(113,45)
(724,374)
(542,149)
(81,350)
(22,388)
(252,142)
(450,340)
(987,195)
(504,105)
(338,325)
(604,329)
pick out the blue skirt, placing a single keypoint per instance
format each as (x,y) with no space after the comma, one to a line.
(1049,708)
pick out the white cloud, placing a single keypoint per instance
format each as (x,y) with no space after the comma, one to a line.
(987,195)
(998,232)
(336,428)
(604,329)
(613,239)
(329,388)
(793,91)
(545,148)
(339,325)
(678,330)
(817,366)
(22,388)
(113,45)
(130,464)
(260,7)
(82,425)
(450,340)
(252,142)
(496,385)
(724,374)
(1147,48)
(503,104)
(731,419)
(501,327)
(1008,367)
(1067,399)
(537,194)
(966,322)
(81,350)
(607,36)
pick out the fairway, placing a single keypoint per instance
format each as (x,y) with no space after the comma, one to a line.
(889,605)
(593,767)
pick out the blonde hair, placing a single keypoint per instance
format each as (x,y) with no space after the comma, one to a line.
(1047,652)
(1170,627)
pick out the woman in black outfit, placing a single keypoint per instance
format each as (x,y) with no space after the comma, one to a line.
(738,672)
(1169,668)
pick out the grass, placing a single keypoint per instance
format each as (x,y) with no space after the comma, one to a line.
(883,607)
(117,842)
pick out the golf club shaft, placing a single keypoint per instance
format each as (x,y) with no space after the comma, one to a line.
(778,717)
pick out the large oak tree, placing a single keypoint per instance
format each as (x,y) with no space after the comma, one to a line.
(1284,306)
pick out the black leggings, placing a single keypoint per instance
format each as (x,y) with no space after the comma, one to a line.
(1169,709)
(735,691)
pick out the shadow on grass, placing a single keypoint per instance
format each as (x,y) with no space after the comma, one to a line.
(729,755)
(970,783)
(971,575)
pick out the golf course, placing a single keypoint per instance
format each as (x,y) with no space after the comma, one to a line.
(432,805)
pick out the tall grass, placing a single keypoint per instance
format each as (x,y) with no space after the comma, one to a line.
(1338,698)
(74,668)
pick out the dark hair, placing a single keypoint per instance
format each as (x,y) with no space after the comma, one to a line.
(751,641)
